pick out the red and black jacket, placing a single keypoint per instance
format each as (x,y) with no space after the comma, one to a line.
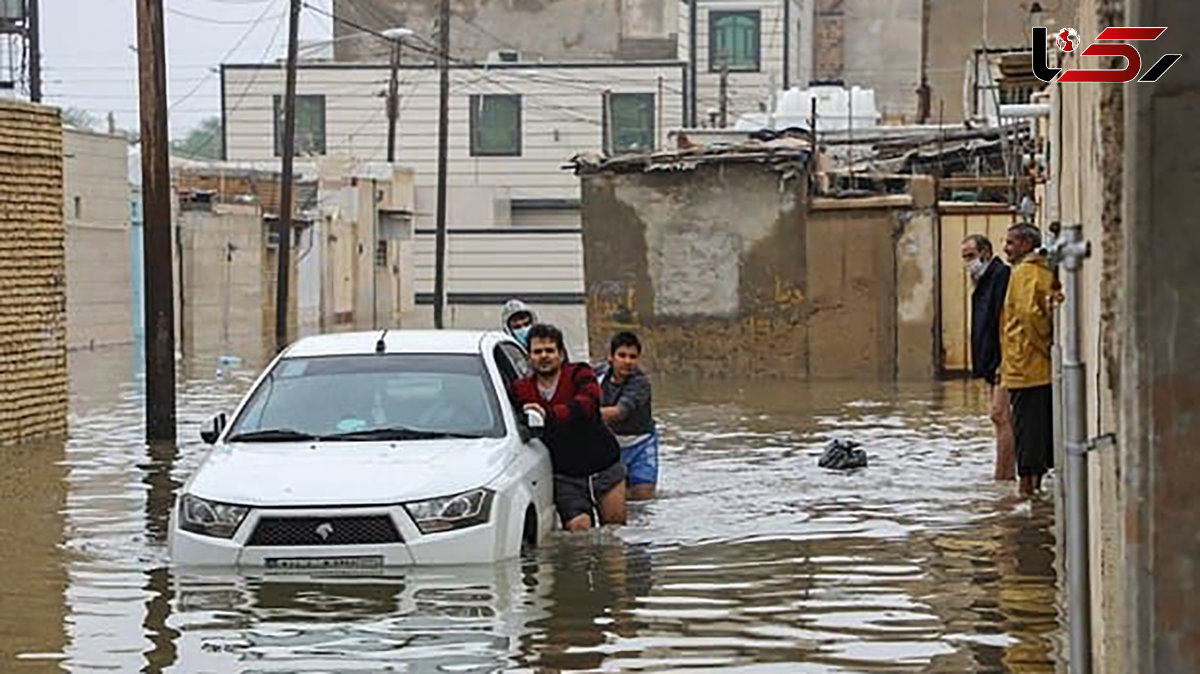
(579,442)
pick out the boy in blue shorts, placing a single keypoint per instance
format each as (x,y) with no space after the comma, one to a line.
(625,407)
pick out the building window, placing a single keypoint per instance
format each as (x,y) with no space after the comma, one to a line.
(733,40)
(78,208)
(381,253)
(496,125)
(310,125)
(631,120)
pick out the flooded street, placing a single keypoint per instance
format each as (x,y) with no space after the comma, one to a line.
(752,560)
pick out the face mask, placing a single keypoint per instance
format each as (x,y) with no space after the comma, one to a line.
(522,335)
(976,267)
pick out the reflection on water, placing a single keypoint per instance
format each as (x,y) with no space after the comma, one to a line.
(752,560)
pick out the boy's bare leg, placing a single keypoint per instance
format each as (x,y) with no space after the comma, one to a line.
(641,492)
(579,523)
(612,505)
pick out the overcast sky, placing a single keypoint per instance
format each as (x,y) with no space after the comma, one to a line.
(89,60)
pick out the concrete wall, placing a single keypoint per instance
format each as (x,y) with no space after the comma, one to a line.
(757,285)
(1159,377)
(715,285)
(224,272)
(539,29)
(874,44)
(1126,171)
(33,357)
(96,211)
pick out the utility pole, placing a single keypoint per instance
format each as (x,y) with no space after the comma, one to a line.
(693,85)
(610,143)
(724,95)
(33,30)
(439,281)
(156,229)
(393,106)
(284,222)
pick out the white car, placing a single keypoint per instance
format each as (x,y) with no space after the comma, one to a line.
(364,450)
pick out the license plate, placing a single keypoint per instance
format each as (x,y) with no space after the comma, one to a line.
(324,563)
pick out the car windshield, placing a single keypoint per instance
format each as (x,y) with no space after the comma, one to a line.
(372,397)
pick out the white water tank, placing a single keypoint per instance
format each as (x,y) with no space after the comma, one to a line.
(838,108)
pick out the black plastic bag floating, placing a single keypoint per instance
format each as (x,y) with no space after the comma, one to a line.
(843,455)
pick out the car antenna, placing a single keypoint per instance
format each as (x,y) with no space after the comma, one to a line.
(381,346)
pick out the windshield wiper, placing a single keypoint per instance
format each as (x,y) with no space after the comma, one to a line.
(398,433)
(273,435)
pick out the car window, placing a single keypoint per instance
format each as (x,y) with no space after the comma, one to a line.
(330,395)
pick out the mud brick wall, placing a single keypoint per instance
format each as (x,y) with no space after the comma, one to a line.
(33,345)
(707,266)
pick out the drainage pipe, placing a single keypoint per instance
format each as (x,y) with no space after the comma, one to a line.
(1069,251)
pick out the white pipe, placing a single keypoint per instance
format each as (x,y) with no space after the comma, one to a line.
(1070,252)
(1025,110)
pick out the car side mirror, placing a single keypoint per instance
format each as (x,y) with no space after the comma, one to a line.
(210,435)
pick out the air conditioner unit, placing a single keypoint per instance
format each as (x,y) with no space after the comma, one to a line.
(504,56)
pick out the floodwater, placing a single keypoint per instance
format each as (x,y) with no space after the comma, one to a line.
(752,560)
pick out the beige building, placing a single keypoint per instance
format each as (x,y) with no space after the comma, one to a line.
(765,44)
(761,44)
(513,212)
(549,30)
(33,354)
(96,211)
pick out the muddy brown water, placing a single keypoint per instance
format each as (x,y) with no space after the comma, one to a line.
(752,560)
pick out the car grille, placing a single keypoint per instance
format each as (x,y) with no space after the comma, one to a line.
(318,531)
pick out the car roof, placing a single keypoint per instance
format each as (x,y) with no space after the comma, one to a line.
(395,341)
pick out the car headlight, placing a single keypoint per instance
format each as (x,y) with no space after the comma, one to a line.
(451,512)
(209,517)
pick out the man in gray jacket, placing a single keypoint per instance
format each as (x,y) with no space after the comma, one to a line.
(625,407)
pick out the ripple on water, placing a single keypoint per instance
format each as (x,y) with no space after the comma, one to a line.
(752,559)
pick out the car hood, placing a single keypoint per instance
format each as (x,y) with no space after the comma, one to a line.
(348,473)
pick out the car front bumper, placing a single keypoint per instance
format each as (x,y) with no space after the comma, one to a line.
(477,544)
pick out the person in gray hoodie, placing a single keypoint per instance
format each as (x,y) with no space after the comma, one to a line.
(625,406)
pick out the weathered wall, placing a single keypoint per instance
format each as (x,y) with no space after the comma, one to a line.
(731,270)
(33,358)
(1089,193)
(96,211)
(957,29)
(918,342)
(851,290)
(1159,377)
(578,30)
(223,281)
(708,265)
(874,44)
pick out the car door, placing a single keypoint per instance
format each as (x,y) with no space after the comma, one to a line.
(514,364)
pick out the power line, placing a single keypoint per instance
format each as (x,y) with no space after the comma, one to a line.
(237,45)
(220,22)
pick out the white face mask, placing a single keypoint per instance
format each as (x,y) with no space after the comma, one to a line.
(976,267)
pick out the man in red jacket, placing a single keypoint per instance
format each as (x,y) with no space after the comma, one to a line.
(588,473)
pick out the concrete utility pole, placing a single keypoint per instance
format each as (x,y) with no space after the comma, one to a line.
(439,281)
(692,84)
(284,222)
(724,95)
(393,107)
(33,30)
(156,230)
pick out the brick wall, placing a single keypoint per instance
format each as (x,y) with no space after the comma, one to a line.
(33,353)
